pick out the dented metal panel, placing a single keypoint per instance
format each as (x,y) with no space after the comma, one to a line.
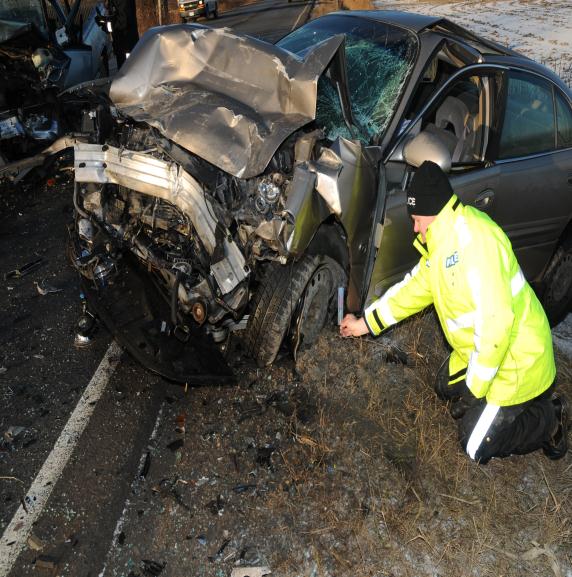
(228,98)
(149,175)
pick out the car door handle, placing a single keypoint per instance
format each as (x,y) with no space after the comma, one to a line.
(485,199)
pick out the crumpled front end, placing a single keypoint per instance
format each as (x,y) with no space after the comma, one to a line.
(179,214)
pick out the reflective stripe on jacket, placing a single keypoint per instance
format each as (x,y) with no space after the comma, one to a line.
(491,317)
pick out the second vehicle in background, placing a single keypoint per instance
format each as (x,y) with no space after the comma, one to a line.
(192,9)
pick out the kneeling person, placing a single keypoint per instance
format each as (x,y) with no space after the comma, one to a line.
(500,375)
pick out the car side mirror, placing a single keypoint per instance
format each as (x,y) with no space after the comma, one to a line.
(427,146)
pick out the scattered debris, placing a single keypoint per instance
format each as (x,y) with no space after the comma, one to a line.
(238,489)
(25,269)
(45,288)
(11,434)
(292,402)
(216,506)
(3,370)
(250,571)
(152,568)
(175,445)
(181,420)
(47,562)
(219,554)
(249,409)
(35,543)
(264,456)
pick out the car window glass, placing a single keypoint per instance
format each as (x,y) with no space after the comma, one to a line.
(23,11)
(563,122)
(528,126)
(379,58)
(460,121)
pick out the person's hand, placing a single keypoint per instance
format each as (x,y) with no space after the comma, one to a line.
(351,326)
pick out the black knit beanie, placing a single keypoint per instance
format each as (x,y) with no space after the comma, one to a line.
(429,191)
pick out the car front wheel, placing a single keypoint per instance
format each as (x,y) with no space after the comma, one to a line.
(292,301)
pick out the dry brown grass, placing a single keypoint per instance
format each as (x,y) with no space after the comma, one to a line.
(419,506)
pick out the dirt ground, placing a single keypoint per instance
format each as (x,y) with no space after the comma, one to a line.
(343,464)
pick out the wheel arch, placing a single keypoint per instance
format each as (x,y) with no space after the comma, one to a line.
(330,239)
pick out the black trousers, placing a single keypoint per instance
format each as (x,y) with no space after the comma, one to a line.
(487,431)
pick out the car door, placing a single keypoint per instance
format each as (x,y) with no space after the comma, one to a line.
(531,197)
(461,117)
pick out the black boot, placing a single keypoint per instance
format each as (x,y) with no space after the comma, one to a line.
(557,447)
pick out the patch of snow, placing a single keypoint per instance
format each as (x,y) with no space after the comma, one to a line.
(539,29)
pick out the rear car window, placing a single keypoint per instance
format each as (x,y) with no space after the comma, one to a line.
(529,123)
(563,123)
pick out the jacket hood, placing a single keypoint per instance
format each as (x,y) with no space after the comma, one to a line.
(228,98)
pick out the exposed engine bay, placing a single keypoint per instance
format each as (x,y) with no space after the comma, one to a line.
(200,239)
(198,198)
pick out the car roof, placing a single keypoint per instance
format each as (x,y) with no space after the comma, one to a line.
(409,20)
(491,52)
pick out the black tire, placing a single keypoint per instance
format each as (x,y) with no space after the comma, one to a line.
(557,298)
(280,296)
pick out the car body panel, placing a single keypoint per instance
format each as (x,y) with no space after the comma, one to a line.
(218,170)
(233,100)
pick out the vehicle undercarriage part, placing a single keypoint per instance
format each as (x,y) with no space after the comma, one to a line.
(135,312)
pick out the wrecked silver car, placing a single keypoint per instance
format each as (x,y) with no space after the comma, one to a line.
(45,47)
(243,187)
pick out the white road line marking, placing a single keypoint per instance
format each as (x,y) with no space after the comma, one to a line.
(134,487)
(14,538)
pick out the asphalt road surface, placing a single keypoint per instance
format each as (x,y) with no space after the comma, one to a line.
(78,426)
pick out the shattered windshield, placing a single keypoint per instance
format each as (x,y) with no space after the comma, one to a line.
(379,58)
(23,11)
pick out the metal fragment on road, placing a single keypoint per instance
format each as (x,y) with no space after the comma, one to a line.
(250,571)
(25,269)
(45,288)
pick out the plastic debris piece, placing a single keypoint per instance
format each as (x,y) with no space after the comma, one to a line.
(202,540)
(25,269)
(152,568)
(35,543)
(45,288)
(46,562)
(250,571)
(264,455)
(176,444)
(3,370)
(219,554)
(238,489)
(216,506)
(86,326)
(181,421)
(340,304)
(13,432)
(146,465)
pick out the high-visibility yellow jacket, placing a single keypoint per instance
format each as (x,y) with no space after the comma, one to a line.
(491,317)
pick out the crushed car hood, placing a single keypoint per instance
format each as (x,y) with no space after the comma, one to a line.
(228,98)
